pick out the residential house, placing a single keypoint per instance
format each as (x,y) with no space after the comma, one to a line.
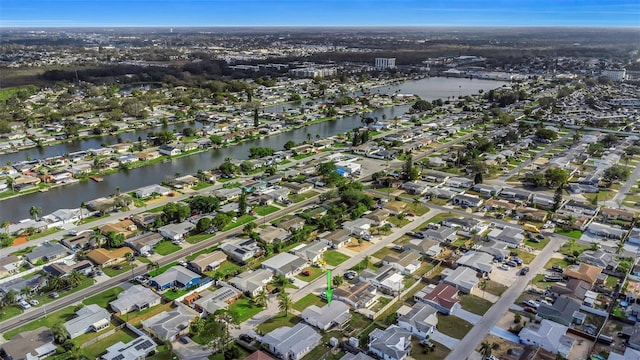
(420,321)
(498,205)
(298,188)
(337,238)
(465,200)
(466,225)
(292,343)
(209,302)
(540,201)
(104,257)
(311,252)
(241,250)
(426,247)
(294,223)
(252,282)
(585,272)
(513,237)
(271,234)
(394,343)
(529,214)
(169,150)
(34,284)
(515,194)
(10,265)
(29,345)
(442,234)
(47,251)
(443,297)
(634,236)
(387,279)
(459,182)
(416,187)
(358,296)
(487,191)
(334,314)
(358,356)
(80,241)
(63,269)
(88,318)
(406,262)
(278,195)
(135,298)
(629,354)
(125,227)
(600,258)
(207,262)
(138,348)
(549,336)
(462,278)
(563,311)
(606,231)
(478,261)
(147,191)
(378,216)
(574,288)
(143,244)
(395,207)
(285,264)
(148,155)
(176,232)
(494,248)
(611,215)
(66,216)
(442,193)
(358,227)
(578,207)
(176,277)
(170,325)
(187,181)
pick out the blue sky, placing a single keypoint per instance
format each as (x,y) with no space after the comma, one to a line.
(66,13)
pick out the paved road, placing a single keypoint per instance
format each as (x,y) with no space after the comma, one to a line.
(622,192)
(474,337)
(115,281)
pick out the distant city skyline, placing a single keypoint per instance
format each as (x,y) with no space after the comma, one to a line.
(173,13)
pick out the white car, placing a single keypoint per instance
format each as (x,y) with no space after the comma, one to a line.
(532,303)
(504,267)
(34,302)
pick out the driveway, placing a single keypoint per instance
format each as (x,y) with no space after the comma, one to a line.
(505,334)
(446,340)
(468,316)
(191,350)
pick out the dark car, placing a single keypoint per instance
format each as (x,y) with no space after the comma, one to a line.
(184,339)
(246,338)
(531,310)
(524,270)
(557,268)
(275,290)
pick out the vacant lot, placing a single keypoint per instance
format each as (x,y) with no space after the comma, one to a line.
(475,304)
(453,326)
(334,258)
(307,301)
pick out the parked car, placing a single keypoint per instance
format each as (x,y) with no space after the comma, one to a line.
(540,236)
(530,310)
(306,273)
(557,268)
(517,260)
(512,263)
(532,303)
(34,302)
(524,270)
(24,305)
(246,338)
(503,267)
(54,295)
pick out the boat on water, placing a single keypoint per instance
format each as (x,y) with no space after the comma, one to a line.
(44,190)
(96,178)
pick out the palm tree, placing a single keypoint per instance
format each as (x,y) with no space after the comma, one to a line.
(82,207)
(60,334)
(280,281)
(25,291)
(262,298)
(619,247)
(55,283)
(130,259)
(35,211)
(337,281)
(483,286)
(153,266)
(5,226)
(74,279)
(97,238)
(11,297)
(284,303)
(485,349)
(11,182)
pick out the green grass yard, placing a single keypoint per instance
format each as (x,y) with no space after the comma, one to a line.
(453,326)
(296,198)
(475,304)
(265,210)
(314,273)
(58,317)
(104,298)
(239,222)
(94,350)
(307,301)
(278,321)
(166,247)
(112,272)
(574,234)
(334,258)
(244,309)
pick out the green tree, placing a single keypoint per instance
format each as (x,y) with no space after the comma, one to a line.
(337,281)
(74,278)
(114,240)
(482,285)
(478,178)
(616,173)
(289,145)
(546,134)
(242,203)
(557,198)
(262,298)
(284,303)
(203,224)
(60,333)
(485,349)
(556,177)
(35,211)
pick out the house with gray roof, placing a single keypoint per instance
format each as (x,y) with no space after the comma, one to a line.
(335,314)
(10,265)
(312,251)
(420,321)
(442,193)
(176,232)
(563,311)
(511,236)
(227,194)
(478,261)
(207,262)
(144,243)
(285,264)
(89,318)
(415,187)
(462,278)
(515,194)
(386,278)
(147,191)
(211,301)
(34,283)
(358,356)
(394,343)
(47,251)
(135,298)
(292,343)
(467,200)
(487,191)
(600,258)
(170,325)
(138,348)
(406,262)
(358,227)
(252,282)
(272,234)
(337,238)
(459,182)
(442,234)
(241,250)
(606,231)
(549,336)
(426,247)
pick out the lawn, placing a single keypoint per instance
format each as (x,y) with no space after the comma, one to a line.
(526,256)
(453,326)
(436,219)
(314,273)
(571,247)
(538,245)
(51,319)
(244,309)
(475,304)
(104,298)
(398,222)
(382,253)
(278,321)
(194,239)
(239,222)
(111,272)
(296,198)
(420,352)
(9,312)
(166,247)
(136,317)
(495,288)
(538,281)
(334,258)
(574,234)
(265,210)
(419,210)
(94,350)
(611,282)
(600,196)
(162,269)
(201,185)
(561,262)
(203,251)
(307,301)
(226,267)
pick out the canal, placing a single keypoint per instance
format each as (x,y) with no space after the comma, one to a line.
(71,196)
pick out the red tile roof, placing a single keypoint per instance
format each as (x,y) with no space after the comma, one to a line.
(443,294)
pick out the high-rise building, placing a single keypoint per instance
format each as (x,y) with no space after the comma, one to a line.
(615,75)
(385,63)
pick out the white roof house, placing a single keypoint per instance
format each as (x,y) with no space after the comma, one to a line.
(286,264)
(334,314)
(292,343)
(135,298)
(462,278)
(548,335)
(168,325)
(88,318)
(394,343)
(420,321)
(252,282)
(478,261)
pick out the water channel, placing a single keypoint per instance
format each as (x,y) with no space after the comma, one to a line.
(71,196)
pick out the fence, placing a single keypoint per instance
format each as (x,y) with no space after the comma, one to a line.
(199,288)
(392,302)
